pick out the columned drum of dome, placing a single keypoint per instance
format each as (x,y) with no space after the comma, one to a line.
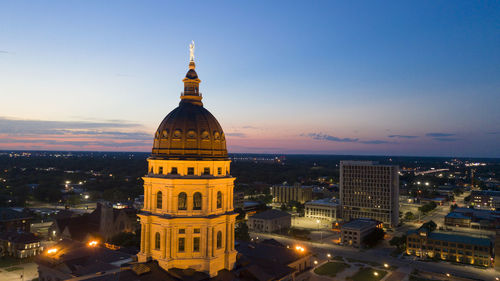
(188,219)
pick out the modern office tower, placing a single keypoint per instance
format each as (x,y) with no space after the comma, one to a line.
(288,193)
(369,190)
(188,219)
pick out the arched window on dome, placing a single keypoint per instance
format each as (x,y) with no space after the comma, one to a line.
(182,201)
(159,200)
(157,241)
(219,199)
(160,171)
(197,201)
(219,240)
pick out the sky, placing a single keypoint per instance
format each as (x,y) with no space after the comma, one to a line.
(416,78)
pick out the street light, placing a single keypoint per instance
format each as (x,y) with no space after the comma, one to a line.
(328,255)
(386,265)
(315,262)
(447,275)
(375,273)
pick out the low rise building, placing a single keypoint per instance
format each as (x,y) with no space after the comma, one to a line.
(352,233)
(105,222)
(327,209)
(12,220)
(289,193)
(473,218)
(19,244)
(71,259)
(485,199)
(457,248)
(270,221)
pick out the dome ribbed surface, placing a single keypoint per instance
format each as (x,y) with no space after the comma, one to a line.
(189,132)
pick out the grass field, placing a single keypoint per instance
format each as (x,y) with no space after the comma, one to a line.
(368,274)
(331,268)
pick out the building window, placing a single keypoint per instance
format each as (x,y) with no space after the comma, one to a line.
(152,170)
(160,171)
(174,171)
(219,240)
(157,241)
(219,199)
(182,201)
(182,231)
(196,244)
(219,171)
(191,171)
(196,230)
(159,200)
(181,244)
(197,201)
(206,171)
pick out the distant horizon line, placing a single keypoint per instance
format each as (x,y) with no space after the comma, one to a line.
(253,153)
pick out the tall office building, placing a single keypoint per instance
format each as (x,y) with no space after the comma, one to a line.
(369,190)
(288,193)
(188,219)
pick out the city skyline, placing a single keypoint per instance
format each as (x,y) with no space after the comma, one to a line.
(416,79)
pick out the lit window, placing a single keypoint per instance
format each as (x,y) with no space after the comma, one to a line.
(196,244)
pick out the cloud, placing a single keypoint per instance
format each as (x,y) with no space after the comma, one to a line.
(493,133)
(73,134)
(402,137)
(446,139)
(439,135)
(239,135)
(249,127)
(375,142)
(330,138)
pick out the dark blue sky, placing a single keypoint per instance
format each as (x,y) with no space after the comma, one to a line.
(353,77)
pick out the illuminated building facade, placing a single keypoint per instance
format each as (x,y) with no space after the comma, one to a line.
(457,248)
(369,190)
(287,193)
(188,219)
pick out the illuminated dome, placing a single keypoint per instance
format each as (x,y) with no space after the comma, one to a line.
(190,131)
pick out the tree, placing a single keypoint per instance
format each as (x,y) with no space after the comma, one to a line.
(372,239)
(399,242)
(453,207)
(427,207)
(241,232)
(409,216)
(430,225)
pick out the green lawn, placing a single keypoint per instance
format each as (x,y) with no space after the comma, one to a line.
(338,258)
(368,274)
(10,261)
(418,278)
(331,268)
(365,262)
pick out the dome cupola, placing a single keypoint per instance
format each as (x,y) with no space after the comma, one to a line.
(190,131)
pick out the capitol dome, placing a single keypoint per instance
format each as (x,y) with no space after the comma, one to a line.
(190,131)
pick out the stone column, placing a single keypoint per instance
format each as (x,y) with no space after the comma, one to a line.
(164,241)
(143,238)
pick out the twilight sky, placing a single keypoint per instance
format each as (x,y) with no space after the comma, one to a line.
(333,77)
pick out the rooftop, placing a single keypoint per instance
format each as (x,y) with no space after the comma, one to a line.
(454,238)
(360,224)
(8,214)
(332,202)
(270,214)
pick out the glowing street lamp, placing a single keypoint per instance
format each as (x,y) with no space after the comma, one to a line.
(92,243)
(52,251)
(447,275)
(386,265)
(328,255)
(375,273)
(315,262)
